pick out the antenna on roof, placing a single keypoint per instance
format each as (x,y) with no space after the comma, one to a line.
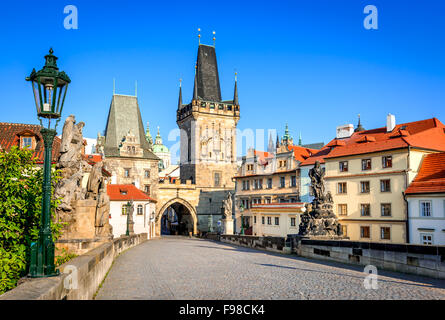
(214,38)
(199,35)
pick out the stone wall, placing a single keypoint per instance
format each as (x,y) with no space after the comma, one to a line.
(86,271)
(274,244)
(408,258)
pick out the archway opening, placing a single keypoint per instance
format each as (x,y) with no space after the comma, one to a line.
(177,220)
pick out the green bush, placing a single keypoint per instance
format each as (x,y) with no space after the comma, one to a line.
(20,211)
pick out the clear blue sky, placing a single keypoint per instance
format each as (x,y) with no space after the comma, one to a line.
(311,63)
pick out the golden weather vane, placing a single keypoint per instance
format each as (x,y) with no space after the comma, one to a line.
(214,38)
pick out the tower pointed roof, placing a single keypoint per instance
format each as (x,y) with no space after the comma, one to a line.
(148,137)
(207,78)
(300,142)
(270,146)
(359,126)
(180,96)
(125,116)
(235,94)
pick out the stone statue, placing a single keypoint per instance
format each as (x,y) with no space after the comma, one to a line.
(94,181)
(77,203)
(317,181)
(319,220)
(68,190)
(130,217)
(103,227)
(228,206)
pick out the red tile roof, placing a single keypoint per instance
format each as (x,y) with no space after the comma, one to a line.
(93,158)
(302,153)
(126,192)
(10,136)
(425,134)
(431,176)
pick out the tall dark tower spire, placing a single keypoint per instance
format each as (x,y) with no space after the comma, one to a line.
(180,94)
(207,78)
(235,94)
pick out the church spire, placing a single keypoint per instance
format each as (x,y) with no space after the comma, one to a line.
(235,94)
(270,147)
(180,94)
(300,141)
(359,126)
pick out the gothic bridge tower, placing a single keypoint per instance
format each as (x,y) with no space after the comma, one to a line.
(208,128)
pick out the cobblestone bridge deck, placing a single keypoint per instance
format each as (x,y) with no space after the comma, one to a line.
(183,268)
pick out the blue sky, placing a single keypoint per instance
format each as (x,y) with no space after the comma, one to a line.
(309,63)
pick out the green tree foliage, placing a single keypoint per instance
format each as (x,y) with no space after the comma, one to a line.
(20,212)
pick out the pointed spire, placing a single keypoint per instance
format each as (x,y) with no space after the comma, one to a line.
(277,145)
(180,94)
(235,94)
(299,140)
(195,87)
(359,126)
(148,137)
(158,140)
(270,146)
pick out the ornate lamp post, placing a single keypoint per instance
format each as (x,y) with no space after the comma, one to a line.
(49,87)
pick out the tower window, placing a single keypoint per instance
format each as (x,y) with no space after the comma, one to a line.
(126,173)
(229,108)
(212,106)
(203,104)
(217,179)
(221,106)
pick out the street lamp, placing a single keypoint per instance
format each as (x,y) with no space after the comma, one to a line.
(49,86)
(241,209)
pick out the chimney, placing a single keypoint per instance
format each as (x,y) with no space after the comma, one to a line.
(390,122)
(345,131)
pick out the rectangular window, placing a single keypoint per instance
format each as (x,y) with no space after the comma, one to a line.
(342,209)
(217,179)
(293,181)
(364,232)
(267,200)
(343,166)
(140,210)
(364,187)
(292,222)
(126,173)
(124,209)
(247,184)
(269,183)
(262,220)
(147,174)
(27,142)
(426,238)
(282,182)
(386,209)
(277,221)
(385,233)
(385,185)
(366,164)
(269,220)
(365,209)
(147,189)
(387,162)
(425,208)
(254,219)
(341,187)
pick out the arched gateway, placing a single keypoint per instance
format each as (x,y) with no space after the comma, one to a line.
(186,213)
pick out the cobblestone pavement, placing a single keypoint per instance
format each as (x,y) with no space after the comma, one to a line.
(183,268)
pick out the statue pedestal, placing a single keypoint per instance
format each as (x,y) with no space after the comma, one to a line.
(227,226)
